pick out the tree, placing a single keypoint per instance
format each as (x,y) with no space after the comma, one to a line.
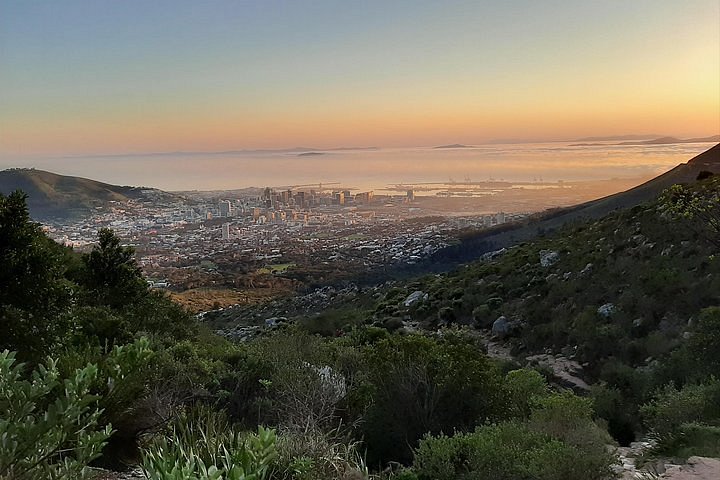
(34,295)
(112,276)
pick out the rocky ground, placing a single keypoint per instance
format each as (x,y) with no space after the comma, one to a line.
(696,468)
(134,474)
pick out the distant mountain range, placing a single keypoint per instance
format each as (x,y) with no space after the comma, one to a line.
(655,141)
(294,150)
(618,138)
(52,196)
(634,139)
(454,145)
(310,154)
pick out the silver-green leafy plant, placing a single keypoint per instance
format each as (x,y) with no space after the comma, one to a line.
(201,445)
(49,426)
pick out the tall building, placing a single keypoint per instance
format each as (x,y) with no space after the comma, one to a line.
(225,208)
(226,231)
(364,197)
(410,195)
(300,199)
(339,198)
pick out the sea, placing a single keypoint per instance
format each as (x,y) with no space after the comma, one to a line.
(377,169)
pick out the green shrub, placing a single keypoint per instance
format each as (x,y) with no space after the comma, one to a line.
(50,426)
(689,439)
(568,417)
(201,445)
(523,387)
(315,455)
(404,474)
(672,407)
(509,451)
(420,384)
(482,315)
(704,344)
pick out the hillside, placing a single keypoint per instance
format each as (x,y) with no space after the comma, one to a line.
(53,196)
(673,140)
(655,141)
(477,244)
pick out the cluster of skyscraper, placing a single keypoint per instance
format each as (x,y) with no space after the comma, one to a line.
(313,198)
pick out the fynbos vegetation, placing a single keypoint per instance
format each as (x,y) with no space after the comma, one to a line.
(389,384)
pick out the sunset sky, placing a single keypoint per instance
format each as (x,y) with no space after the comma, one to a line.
(96,76)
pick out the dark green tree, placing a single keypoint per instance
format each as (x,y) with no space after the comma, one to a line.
(112,275)
(34,295)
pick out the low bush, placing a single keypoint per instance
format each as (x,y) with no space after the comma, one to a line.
(419,384)
(315,455)
(689,439)
(672,407)
(201,445)
(50,427)
(509,451)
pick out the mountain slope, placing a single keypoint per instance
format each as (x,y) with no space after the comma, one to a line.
(53,196)
(483,242)
(673,140)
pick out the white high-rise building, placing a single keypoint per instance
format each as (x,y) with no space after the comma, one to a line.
(226,231)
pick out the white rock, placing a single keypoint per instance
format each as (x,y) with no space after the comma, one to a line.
(548,258)
(415,297)
(606,310)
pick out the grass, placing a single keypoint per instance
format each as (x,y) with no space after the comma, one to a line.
(203,299)
(276,268)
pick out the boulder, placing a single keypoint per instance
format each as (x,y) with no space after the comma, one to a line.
(587,270)
(607,310)
(494,254)
(548,258)
(274,321)
(501,327)
(415,297)
(567,372)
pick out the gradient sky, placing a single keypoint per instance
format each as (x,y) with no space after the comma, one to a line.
(97,76)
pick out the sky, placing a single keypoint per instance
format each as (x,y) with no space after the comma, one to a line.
(100,77)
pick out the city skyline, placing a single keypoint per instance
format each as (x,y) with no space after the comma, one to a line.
(84,77)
